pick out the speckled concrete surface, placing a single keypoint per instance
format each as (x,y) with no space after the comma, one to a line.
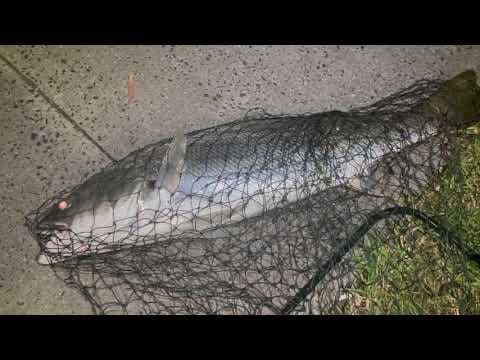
(187,86)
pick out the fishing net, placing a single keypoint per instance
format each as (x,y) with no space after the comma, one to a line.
(314,213)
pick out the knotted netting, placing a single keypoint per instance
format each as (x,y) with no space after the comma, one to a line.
(277,214)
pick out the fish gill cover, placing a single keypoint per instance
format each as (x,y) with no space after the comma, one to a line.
(274,214)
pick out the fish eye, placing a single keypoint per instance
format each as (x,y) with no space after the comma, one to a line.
(63,204)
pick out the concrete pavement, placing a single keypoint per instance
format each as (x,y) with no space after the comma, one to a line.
(188,86)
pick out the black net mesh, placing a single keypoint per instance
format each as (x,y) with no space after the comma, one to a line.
(274,214)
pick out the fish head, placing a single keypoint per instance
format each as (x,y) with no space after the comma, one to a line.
(77,221)
(69,219)
(61,214)
(112,205)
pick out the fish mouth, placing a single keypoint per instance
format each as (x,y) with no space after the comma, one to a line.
(49,227)
(58,233)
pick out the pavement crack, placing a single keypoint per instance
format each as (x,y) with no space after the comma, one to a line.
(57,107)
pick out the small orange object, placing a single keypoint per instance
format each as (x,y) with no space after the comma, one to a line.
(131,88)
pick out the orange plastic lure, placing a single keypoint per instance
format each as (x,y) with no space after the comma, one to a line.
(131,88)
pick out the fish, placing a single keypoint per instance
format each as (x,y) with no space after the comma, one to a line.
(189,183)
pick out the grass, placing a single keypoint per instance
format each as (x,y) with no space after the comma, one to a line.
(410,272)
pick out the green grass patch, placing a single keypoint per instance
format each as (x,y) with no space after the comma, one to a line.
(409,271)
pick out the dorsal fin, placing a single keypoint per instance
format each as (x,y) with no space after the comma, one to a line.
(173,163)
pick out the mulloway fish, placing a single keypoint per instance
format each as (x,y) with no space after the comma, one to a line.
(220,175)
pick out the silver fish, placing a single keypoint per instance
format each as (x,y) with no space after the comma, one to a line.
(221,175)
